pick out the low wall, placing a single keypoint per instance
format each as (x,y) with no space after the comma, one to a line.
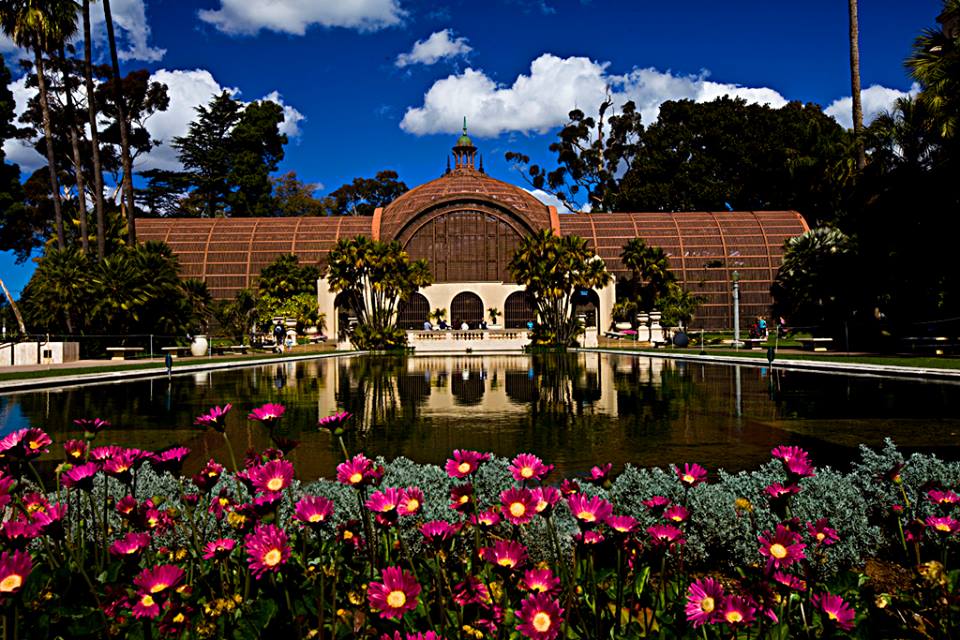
(475,341)
(25,353)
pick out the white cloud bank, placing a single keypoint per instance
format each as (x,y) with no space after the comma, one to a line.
(875,100)
(187,89)
(130,22)
(249,17)
(439,46)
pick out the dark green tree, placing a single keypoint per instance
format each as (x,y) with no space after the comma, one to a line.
(291,197)
(362,196)
(285,277)
(17,230)
(650,274)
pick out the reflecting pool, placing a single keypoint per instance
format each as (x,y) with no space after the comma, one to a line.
(574,410)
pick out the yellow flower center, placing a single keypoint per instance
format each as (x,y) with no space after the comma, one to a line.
(11,583)
(179,618)
(707,604)
(157,588)
(224,502)
(778,551)
(734,616)
(413,504)
(34,444)
(542,621)
(75,453)
(587,516)
(526,472)
(133,549)
(396,599)
(356,477)
(147,600)
(517,509)
(464,498)
(464,467)
(505,562)
(689,479)
(832,615)
(275,484)
(821,536)
(942,527)
(272,558)
(347,535)
(315,517)
(676,517)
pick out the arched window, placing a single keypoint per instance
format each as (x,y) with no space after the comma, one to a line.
(519,310)
(586,302)
(413,312)
(466,307)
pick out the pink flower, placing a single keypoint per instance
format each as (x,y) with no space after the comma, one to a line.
(91,426)
(665,534)
(80,477)
(488,518)
(692,474)
(656,503)
(131,545)
(541,581)
(527,466)
(171,459)
(25,443)
(589,537)
(335,422)
(622,524)
(471,591)
(411,502)
(519,505)
(268,414)
(737,611)
(215,418)
(438,531)
(781,548)
(589,511)
(795,460)
(600,474)
(676,513)
(540,616)
(547,498)
(822,533)
(155,584)
(943,525)
(461,498)
(14,568)
(790,581)
(313,510)
(464,463)
(356,472)
(838,611)
(937,496)
(75,450)
(384,504)
(267,549)
(208,476)
(777,491)
(273,476)
(505,553)
(219,548)
(704,599)
(396,595)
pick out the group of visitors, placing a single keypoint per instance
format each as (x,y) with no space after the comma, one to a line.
(759,328)
(464,326)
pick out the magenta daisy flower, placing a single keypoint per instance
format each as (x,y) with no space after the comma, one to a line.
(589,537)
(438,532)
(505,553)
(14,568)
(838,611)
(171,459)
(737,611)
(131,545)
(471,591)
(313,510)
(540,581)
(273,476)
(267,549)
(600,474)
(26,443)
(568,487)
(622,524)
(335,422)
(384,504)
(357,471)
(215,418)
(936,496)
(692,474)
(80,477)
(396,595)
(786,454)
(588,510)
(547,498)
(778,491)
(519,505)
(461,498)
(527,466)
(789,580)
(489,518)
(20,533)
(75,450)
(795,460)
(540,616)
(208,476)
(464,462)
(704,600)
(943,525)
(219,548)
(268,414)
(159,579)
(411,502)
(656,503)
(822,532)
(677,513)
(121,465)
(665,534)
(781,548)
(91,426)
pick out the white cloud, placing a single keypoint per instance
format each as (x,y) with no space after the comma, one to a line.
(549,199)
(543,99)
(438,46)
(246,17)
(20,151)
(875,101)
(189,89)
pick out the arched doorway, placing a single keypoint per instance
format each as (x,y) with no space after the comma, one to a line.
(346,317)
(519,310)
(586,303)
(413,312)
(466,307)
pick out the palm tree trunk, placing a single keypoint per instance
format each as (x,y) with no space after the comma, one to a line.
(124,130)
(77,162)
(13,305)
(48,135)
(855,84)
(94,135)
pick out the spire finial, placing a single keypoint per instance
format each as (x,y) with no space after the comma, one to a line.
(464,125)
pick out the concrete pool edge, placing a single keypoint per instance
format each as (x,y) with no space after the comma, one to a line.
(67,380)
(831,366)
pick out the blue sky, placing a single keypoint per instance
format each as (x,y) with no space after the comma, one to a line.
(377,84)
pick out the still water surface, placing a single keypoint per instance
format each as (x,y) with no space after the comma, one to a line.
(573,410)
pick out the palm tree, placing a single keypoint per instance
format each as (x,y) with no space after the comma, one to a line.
(124,129)
(70,112)
(935,64)
(13,305)
(94,134)
(42,25)
(650,271)
(855,84)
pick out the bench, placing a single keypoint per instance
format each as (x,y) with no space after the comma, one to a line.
(120,353)
(938,345)
(176,351)
(314,339)
(750,343)
(815,344)
(237,348)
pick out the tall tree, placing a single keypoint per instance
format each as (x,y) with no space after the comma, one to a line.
(71,120)
(94,133)
(41,26)
(651,276)
(18,232)
(292,197)
(125,156)
(855,84)
(362,196)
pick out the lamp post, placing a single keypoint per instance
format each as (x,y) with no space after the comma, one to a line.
(736,309)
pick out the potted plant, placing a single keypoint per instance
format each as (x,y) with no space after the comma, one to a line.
(623,311)
(437,315)
(494,313)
